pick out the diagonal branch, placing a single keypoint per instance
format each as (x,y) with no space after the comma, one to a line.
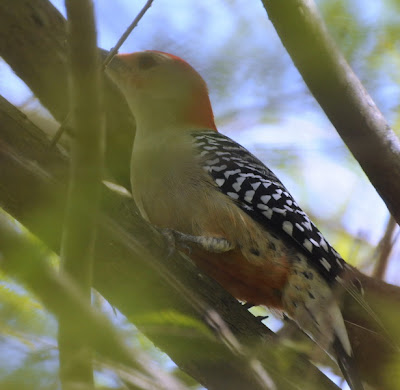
(33,42)
(108,58)
(133,273)
(29,262)
(125,35)
(384,249)
(340,94)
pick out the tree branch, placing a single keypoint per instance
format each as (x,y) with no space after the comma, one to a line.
(340,94)
(33,42)
(28,261)
(133,273)
(86,173)
(107,58)
(118,264)
(126,33)
(384,249)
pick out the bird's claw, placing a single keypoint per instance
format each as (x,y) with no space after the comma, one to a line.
(174,239)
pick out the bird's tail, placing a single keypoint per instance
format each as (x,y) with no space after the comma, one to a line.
(347,366)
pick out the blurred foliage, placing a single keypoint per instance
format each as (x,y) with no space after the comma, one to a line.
(253,86)
(27,340)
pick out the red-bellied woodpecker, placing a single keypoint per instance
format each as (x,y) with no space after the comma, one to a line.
(244,228)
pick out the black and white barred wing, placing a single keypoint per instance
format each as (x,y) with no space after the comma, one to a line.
(257,191)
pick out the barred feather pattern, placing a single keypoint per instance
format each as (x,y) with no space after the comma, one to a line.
(258,192)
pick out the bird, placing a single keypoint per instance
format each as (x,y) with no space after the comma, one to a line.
(224,207)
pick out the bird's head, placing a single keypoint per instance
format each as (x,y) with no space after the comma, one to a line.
(161,87)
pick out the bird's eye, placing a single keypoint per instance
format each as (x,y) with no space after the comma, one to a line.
(147,61)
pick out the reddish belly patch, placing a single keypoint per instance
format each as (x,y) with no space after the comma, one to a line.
(259,284)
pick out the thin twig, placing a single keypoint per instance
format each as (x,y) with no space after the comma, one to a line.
(125,35)
(60,131)
(385,247)
(64,125)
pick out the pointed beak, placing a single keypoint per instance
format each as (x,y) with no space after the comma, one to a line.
(116,67)
(122,70)
(119,71)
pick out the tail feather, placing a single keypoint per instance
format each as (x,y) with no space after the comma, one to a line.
(347,366)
